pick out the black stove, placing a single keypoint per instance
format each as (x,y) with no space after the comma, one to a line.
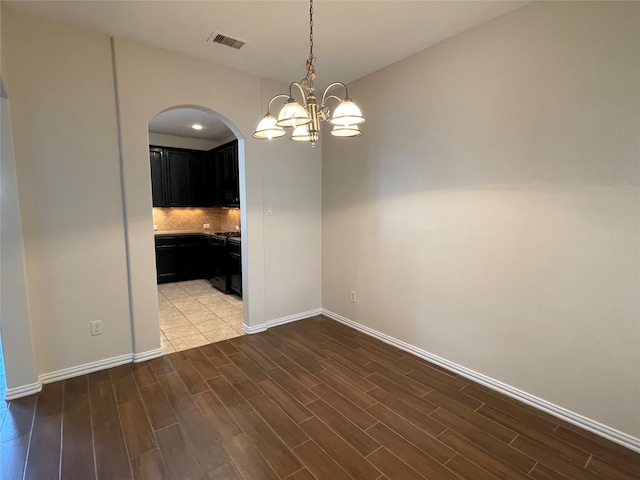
(222,237)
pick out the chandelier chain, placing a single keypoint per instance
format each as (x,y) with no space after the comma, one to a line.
(307,81)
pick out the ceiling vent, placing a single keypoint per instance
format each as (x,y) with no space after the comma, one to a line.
(222,39)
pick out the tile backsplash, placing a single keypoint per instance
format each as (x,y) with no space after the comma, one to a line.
(219,219)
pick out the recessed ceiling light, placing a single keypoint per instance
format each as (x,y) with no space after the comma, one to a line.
(197,126)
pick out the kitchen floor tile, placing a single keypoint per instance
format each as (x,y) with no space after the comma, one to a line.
(187,315)
(208,325)
(179,332)
(223,312)
(218,336)
(192,341)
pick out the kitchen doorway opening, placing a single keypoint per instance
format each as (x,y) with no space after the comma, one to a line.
(197,228)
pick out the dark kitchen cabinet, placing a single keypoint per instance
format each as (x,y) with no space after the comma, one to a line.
(228,178)
(178,176)
(180,257)
(167,258)
(182,178)
(159,187)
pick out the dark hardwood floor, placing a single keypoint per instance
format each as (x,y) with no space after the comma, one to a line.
(308,400)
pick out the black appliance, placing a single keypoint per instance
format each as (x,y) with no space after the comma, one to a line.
(219,264)
(235,265)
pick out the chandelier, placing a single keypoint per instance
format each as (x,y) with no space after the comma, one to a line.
(305,119)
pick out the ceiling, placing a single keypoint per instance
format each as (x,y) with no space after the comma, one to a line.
(179,120)
(351,38)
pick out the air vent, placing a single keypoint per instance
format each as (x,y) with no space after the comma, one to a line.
(222,39)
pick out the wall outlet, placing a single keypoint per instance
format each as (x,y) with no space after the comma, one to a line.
(155,227)
(96,327)
(353,296)
(269,210)
(237,228)
(206,225)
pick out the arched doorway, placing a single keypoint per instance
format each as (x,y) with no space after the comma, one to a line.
(197,227)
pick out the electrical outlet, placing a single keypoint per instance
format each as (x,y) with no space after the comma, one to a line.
(353,296)
(269,211)
(96,327)
(206,225)
(155,227)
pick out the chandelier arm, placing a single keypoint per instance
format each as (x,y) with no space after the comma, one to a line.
(304,101)
(329,98)
(281,95)
(326,90)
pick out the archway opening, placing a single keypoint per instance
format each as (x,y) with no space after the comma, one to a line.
(196,210)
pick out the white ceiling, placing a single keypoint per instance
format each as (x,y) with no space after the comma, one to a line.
(178,122)
(351,38)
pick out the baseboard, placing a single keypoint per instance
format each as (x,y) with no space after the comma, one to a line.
(280,321)
(562,413)
(148,355)
(23,391)
(85,368)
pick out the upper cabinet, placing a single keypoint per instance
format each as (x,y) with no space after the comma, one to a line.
(226,159)
(180,178)
(159,177)
(194,178)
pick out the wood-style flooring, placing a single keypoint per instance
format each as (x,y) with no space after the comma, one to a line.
(308,400)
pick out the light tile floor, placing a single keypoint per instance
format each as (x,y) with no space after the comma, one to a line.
(194,313)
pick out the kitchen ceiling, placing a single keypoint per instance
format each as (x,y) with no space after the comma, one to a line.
(178,122)
(351,38)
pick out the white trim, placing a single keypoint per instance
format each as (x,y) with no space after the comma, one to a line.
(593,426)
(254,329)
(23,391)
(148,355)
(86,368)
(280,321)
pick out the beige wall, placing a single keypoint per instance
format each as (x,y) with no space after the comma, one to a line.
(490,213)
(293,192)
(63,116)
(15,320)
(89,254)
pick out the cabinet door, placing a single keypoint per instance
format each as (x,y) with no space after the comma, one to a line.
(210,182)
(158,177)
(228,176)
(196,179)
(167,259)
(191,256)
(178,166)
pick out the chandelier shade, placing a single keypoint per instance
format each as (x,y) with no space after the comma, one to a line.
(346,131)
(347,113)
(301,134)
(304,118)
(292,115)
(267,128)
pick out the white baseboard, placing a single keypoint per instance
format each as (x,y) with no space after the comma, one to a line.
(593,426)
(280,321)
(85,368)
(23,391)
(148,355)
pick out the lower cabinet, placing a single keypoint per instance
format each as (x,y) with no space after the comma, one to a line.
(180,257)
